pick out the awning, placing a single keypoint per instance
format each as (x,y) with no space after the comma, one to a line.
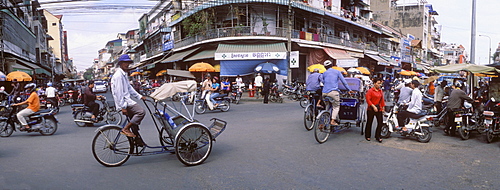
(42,71)
(309,46)
(180,73)
(250,51)
(342,57)
(380,60)
(390,60)
(178,56)
(206,54)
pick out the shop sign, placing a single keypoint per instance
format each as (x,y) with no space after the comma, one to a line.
(347,62)
(250,55)
(294,59)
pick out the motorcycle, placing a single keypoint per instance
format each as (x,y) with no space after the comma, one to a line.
(417,126)
(82,114)
(205,103)
(69,97)
(61,98)
(275,94)
(44,122)
(471,121)
(236,94)
(492,120)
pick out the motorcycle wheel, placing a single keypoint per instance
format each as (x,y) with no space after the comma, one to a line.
(463,132)
(80,116)
(6,129)
(50,127)
(224,105)
(425,137)
(304,102)
(200,107)
(489,136)
(238,98)
(61,102)
(286,92)
(280,100)
(385,133)
(114,117)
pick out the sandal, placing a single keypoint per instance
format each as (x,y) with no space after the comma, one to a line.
(128,133)
(379,140)
(367,139)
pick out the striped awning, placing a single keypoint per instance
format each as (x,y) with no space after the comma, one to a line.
(179,56)
(206,54)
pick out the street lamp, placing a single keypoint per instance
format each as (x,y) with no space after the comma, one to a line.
(489,54)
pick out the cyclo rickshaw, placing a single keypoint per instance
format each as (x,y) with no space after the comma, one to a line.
(183,135)
(351,111)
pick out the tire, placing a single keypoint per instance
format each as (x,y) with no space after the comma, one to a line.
(463,132)
(238,98)
(62,102)
(224,105)
(273,98)
(80,116)
(193,144)
(489,136)
(114,117)
(50,127)
(280,100)
(6,129)
(426,137)
(200,107)
(322,127)
(286,92)
(292,96)
(385,133)
(110,148)
(309,117)
(303,102)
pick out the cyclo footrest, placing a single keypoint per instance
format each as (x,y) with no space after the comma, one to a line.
(217,127)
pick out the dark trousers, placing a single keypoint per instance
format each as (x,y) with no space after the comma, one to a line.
(368,127)
(452,125)
(94,108)
(439,107)
(266,95)
(53,101)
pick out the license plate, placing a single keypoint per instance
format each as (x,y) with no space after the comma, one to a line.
(488,122)
(458,119)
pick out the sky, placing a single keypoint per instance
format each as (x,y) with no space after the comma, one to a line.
(90,29)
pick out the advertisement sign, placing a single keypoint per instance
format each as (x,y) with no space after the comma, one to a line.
(167,43)
(294,59)
(250,55)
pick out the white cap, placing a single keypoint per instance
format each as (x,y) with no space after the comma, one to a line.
(327,63)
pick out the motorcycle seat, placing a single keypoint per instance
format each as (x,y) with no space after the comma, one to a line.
(40,113)
(78,105)
(220,96)
(423,113)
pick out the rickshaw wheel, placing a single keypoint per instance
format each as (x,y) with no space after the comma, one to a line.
(110,148)
(322,127)
(193,144)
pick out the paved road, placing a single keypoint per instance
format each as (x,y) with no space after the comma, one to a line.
(263,147)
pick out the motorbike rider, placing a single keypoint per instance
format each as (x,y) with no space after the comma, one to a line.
(455,102)
(206,86)
(33,106)
(215,90)
(50,93)
(89,100)
(414,107)
(313,83)
(331,78)
(405,92)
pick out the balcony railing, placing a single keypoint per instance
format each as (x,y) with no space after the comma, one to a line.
(245,31)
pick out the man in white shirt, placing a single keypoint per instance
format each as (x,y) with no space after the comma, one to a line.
(414,107)
(122,90)
(239,81)
(50,93)
(258,84)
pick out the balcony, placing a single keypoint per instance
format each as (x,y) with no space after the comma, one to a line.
(248,31)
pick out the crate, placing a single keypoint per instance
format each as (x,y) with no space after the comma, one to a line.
(217,127)
(348,108)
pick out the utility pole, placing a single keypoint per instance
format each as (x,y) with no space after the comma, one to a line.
(289,37)
(473,34)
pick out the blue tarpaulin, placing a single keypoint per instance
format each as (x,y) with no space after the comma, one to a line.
(246,67)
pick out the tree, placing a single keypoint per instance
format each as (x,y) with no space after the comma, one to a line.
(88,74)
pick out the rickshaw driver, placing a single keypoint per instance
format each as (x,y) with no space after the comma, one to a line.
(331,89)
(122,90)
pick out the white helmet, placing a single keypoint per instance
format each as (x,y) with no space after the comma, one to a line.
(30,85)
(327,63)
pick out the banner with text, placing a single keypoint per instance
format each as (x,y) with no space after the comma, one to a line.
(250,55)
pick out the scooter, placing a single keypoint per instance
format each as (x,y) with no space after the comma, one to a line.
(492,120)
(417,126)
(205,103)
(44,122)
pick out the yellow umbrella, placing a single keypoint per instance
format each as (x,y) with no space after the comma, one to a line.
(201,67)
(413,73)
(321,68)
(161,73)
(340,69)
(135,73)
(364,70)
(19,76)
(146,72)
(430,79)
(217,68)
(405,73)
(485,75)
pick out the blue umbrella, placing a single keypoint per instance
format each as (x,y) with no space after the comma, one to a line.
(267,68)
